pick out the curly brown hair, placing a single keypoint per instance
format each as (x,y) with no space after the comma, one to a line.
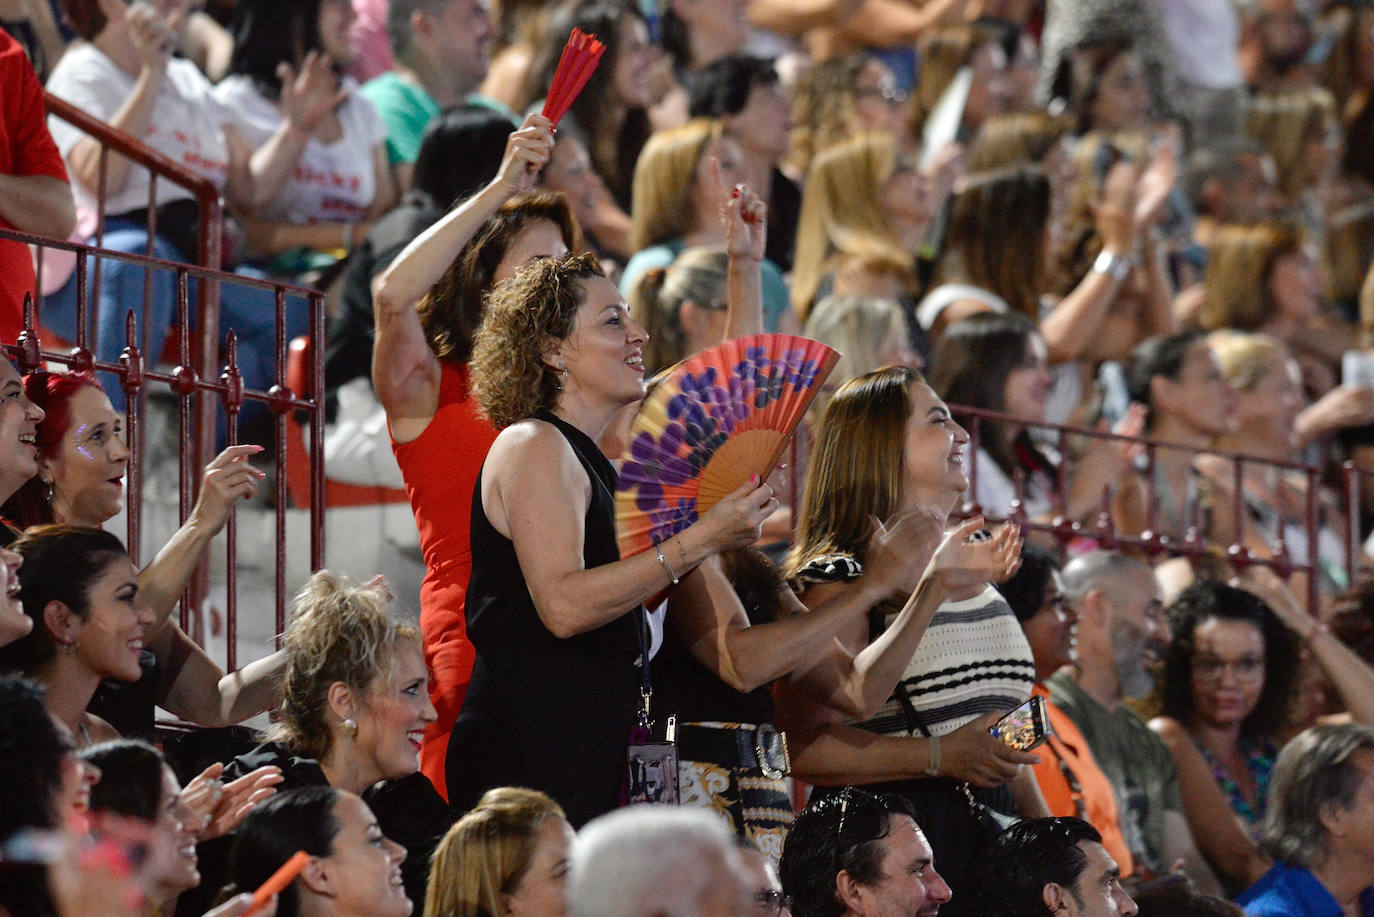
(527,314)
(452,309)
(340,631)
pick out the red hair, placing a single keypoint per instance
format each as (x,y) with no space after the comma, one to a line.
(53,392)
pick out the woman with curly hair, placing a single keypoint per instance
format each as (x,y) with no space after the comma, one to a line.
(1229,677)
(354,704)
(428,305)
(556,358)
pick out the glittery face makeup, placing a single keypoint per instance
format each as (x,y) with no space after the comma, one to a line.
(87,474)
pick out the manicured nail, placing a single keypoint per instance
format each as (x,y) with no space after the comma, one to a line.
(736,192)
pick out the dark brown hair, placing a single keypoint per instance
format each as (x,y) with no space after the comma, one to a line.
(451,311)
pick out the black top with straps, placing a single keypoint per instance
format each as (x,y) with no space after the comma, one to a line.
(549,713)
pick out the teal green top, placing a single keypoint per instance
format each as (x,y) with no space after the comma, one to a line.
(406,110)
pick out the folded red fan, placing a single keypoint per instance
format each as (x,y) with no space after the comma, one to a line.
(575,67)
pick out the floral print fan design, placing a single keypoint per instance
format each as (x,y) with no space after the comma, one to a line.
(719,417)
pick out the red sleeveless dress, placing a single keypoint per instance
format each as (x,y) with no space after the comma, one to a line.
(440,468)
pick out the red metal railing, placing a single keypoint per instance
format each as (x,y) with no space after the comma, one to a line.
(204,355)
(1196,543)
(209,243)
(219,386)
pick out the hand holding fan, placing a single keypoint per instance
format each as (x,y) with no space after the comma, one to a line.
(580,56)
(719,417)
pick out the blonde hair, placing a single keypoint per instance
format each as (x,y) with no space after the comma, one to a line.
(823,107)
(943,53)
(1023,138)
(1244,356)
(661,206)
(340,631)
(698,276)
(486,853)
(1283,123)
(531,311)
(858,327)
(1239,266)
(840,213)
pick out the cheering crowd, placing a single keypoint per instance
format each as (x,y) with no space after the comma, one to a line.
(1145,221)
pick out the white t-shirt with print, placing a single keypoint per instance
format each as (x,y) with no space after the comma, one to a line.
(186,125)
(333,181)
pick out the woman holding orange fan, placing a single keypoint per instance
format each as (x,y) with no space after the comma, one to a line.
(555,615)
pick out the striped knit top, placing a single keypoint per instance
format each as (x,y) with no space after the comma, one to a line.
(973,659)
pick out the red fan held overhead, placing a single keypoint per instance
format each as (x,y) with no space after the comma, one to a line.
(580,56)
(719,417)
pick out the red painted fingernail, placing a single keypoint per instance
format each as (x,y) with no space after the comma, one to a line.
(736,192)
(753,479)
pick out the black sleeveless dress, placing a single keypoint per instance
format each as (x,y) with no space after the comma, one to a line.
(544,712)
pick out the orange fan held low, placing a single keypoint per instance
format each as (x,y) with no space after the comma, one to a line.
(580,56)
(717,418)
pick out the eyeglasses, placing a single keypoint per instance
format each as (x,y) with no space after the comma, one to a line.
(1247,668)
(886,93)
(772,901)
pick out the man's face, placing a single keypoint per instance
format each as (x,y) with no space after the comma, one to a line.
(1098,891)
(910,886)
(463,33)
(1285,33)
(763,126)
(1137,628)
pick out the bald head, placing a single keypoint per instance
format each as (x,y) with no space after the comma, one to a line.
(1100,570)
(1121,629)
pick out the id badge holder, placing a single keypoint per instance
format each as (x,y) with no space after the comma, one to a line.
(652,765)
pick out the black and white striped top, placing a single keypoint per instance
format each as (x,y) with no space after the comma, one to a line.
(973,659)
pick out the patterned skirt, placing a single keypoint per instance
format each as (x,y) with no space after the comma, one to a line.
(754,805)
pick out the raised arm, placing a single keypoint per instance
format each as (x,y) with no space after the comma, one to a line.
(746,239)
(153,40)
(228,478)
(536,492)
(404,369)
(1351,676)
(307,98)
(1072,323)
